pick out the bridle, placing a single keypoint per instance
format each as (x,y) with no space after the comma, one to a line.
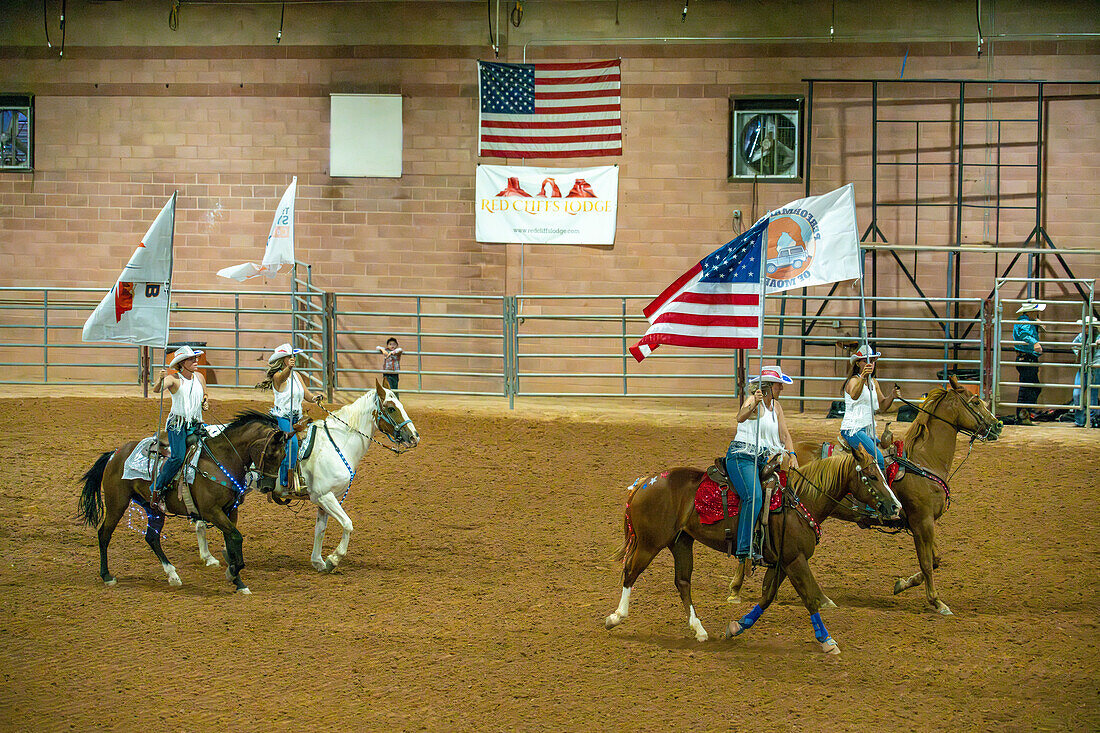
(867,481)
(990,428)
(380,418)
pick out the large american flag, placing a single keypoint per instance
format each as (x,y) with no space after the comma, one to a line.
(562,110)
(717,304)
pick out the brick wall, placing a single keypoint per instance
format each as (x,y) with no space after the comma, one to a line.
(119,128)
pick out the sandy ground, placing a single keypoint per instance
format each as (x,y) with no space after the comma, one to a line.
(479,575)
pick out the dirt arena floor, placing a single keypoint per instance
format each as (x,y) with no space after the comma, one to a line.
(480,572)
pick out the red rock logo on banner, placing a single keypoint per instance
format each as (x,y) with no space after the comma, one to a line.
(792,241)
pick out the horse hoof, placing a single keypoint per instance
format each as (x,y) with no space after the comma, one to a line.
(318,565)
(829,646)
(733,599)
(828,603)
(734,629)
(899,586)
(212,562)
(702,636)
(612,621)
(944,610)
(329,565)
(244,591)
(109,582)
(175,581)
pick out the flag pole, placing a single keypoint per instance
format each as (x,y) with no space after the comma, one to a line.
(760,384)
(167,316)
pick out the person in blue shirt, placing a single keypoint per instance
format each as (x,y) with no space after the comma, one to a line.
(1025,337)
(1087,377)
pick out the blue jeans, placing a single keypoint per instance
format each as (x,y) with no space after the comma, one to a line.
(1094,393)
(866,438)
(290,459)
(745,476)
(177,444)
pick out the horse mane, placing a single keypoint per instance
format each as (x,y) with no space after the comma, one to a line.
(353,414)
(247,417)
(921,423)
(824,475)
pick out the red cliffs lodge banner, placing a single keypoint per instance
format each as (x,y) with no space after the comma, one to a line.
(546,205)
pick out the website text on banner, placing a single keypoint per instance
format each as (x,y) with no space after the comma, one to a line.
(717,304)
(813,241)
(135,311)
(550,110)
(526,205)
(280,243)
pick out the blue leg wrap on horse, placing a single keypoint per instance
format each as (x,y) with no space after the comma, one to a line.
(819,627)
(750,618)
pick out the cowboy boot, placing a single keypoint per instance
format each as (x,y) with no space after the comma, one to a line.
(555,192)
(513,189)
(581,190)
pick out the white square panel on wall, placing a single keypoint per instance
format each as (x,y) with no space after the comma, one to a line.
(365,136)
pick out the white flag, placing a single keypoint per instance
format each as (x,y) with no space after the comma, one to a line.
(280,243)
(813,241)
(136,309)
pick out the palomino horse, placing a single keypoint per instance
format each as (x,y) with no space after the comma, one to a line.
(252,439)
(930,443)
(341,441)
(661,513)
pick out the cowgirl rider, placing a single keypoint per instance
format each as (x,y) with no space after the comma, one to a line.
(188,389)
(760,426)
(289,392)
(862,398)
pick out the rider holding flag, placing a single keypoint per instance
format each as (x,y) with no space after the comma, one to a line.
(289,391)
(188,389)
(862,398)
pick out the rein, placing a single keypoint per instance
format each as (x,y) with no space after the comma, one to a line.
(378,414)
(958,428)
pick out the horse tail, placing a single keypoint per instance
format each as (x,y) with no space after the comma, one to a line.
(90,505)
(630,539)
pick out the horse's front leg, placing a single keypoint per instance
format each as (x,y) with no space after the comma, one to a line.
(332,507)
(204,546)
(772,580)
(315,559)
(924,540)
(234,547)
(804,582)
(153,528)
(740,570)
(683,561)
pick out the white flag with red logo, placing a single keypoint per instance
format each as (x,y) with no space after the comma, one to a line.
(136,309)
(813,241)
(280,243)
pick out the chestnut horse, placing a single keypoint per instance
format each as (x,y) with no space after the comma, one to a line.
(252,439)
(661,513)
(930,443)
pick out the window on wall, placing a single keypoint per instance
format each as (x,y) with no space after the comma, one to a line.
(16,132)
(765,138)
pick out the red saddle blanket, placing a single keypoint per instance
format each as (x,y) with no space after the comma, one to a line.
(708,502)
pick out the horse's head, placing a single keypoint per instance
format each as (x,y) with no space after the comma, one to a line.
(392,419)
(267,452)
(871,488)
(257,439)
(968,413)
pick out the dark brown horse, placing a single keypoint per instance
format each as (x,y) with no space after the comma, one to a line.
(252,439)
(661,513)
(930,443)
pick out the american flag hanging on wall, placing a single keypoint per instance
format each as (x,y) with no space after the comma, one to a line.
(550,110)
(717,304)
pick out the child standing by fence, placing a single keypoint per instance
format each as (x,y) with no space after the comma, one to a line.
(391,363)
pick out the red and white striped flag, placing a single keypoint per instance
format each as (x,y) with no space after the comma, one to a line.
(550,110)
(718,304)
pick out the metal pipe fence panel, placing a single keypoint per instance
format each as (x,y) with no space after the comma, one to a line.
(453,344)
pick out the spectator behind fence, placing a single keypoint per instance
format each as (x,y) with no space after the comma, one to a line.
(1088,375)
(1025,334)
(391,363)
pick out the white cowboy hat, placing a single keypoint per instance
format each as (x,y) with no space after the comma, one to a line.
(184,352)
(281,351)
(864,352)
(1030,305)
(1087,321)
(771,374)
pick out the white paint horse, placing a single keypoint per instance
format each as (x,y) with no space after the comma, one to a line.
(341,441)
